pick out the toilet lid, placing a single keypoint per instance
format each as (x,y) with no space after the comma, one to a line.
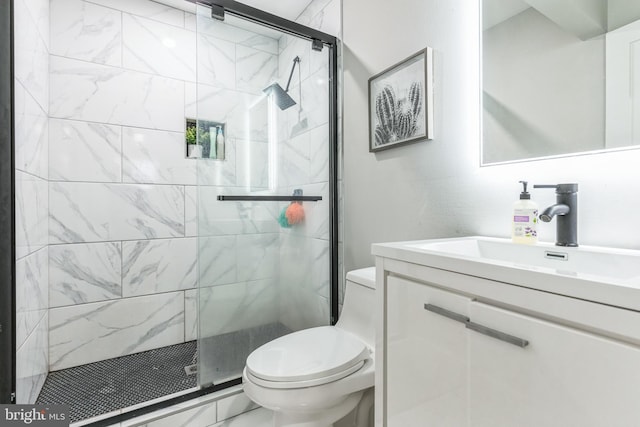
(307,355)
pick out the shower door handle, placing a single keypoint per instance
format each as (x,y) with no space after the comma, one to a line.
(269,198)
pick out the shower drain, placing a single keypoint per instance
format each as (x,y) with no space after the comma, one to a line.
(107,390)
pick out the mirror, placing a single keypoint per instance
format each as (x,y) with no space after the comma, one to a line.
(559,77)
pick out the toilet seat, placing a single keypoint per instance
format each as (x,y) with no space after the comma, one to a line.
(307,358)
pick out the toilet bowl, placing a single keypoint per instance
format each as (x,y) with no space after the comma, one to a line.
(324,376)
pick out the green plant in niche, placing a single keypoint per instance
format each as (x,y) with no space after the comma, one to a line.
(197,134)
(191,135)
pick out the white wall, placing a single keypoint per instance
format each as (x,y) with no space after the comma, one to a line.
(436,188)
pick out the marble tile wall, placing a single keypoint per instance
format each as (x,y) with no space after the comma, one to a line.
(323,15)
(238,306)
(31,105)
(122,199)
(32,363)
(31,293)
(84,273)
(87,333)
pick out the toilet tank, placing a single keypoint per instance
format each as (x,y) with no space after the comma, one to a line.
(358,308)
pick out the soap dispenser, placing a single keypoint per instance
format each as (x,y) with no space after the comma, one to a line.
(525,219)
(220,143)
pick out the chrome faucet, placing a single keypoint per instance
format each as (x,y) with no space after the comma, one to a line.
(566,210)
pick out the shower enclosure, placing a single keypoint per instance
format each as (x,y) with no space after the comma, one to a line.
(171,214)
(260,277)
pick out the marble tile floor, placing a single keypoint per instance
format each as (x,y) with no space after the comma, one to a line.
(260,417)
(101,387)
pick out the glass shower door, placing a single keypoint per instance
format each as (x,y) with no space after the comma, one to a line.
(264,264)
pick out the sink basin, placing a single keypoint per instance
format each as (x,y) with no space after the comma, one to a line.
(605,263)
(604,275)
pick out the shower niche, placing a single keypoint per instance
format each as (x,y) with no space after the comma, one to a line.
(204,139)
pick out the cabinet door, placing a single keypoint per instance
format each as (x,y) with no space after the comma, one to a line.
(426,357)
(562,378)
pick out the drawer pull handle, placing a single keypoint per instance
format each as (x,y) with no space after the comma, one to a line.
(446,313)
(497,334)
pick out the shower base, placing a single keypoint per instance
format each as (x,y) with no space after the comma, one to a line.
(109,385)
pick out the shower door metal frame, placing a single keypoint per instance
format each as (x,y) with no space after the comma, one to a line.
(328,41)
(7,210)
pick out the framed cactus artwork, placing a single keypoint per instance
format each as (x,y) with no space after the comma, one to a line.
(401,103)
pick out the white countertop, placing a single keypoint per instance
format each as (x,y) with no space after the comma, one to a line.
(603,275)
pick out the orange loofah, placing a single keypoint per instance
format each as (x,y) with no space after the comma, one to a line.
(295,213)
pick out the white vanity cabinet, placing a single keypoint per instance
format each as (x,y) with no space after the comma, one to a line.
(563,377)
(446,359)
(426,356)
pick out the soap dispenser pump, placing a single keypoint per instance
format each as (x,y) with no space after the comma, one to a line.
(525,218)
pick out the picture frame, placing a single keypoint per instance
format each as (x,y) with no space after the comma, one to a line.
(401,103)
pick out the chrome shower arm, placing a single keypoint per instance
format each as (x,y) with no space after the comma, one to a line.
(296,60)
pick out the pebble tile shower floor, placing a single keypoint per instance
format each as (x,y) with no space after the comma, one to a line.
(105,386)
(101,387)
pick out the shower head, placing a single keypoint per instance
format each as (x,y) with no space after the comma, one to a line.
(282,98)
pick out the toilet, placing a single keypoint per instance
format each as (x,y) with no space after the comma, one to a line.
(324,376)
